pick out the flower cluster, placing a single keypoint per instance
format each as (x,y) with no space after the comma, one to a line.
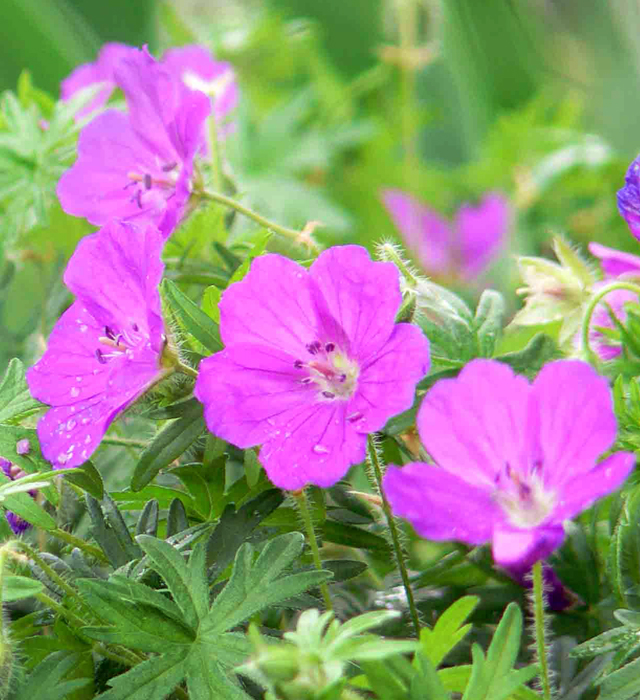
(16,523)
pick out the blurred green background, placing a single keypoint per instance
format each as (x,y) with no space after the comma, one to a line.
(341,98)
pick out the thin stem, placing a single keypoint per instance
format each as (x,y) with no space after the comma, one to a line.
(62,611)
(303,506)
(300,237)
(123,659)
(538,611)
(591,307)
(374,459)
(407,25)
(80,544)
(124,442)
(389,251)
(185,369)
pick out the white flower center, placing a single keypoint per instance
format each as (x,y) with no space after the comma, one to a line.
(335,375)
(524,500)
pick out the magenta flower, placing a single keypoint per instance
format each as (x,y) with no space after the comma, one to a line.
(629,198)
(615,264)
(464,248)
(102,71)
(313,362)
(105,351)
(138,166)
(16,523)
(514,460)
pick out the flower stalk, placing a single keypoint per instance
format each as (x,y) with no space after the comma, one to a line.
(374,460)
(538,612)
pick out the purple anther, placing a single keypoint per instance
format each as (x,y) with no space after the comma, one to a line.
(306,380)
(23,447)
(135,327)
(343,378)
(138,198)
(147,181)
(354,417)
(109,333)
(100,357)
(169,167)
(330,347)
(298,364)
(314,347)
(328,395)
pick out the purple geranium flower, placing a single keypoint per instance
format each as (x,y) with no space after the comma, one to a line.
(514,460)
(313,362)
(105,351)
(615,264)
(465,248)
(138,165)
(629,198)
(88,74)
(16,523)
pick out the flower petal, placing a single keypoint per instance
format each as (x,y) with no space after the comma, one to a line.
(518,550)
(440,505)
(629,198)
(473,425)
(356,300)
(482,233)
(571,418)
(271,306)
(615,262)
(580,492)
(387,384)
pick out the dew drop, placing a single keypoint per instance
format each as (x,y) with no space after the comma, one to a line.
(85,421)
(87,440)
(71,424)
(83,454)
(287,435)
(63,458)
(75,392)
(83,328)
(320,449)
(78,379)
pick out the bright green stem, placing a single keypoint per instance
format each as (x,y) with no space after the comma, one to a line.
(299,237)
(374,459)
(593,302)
(538,612)
(305,513)
(80,544)
(388,251)
(185,369)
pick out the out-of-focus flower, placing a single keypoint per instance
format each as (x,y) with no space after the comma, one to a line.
(106,349)
(629,198)
(16,523)
(313,362)
(615,263)
(463,248)
(514,460)
(138,166)
(102,71)
(555,291)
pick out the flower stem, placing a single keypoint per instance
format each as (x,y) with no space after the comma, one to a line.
(125,442)
(80,544)
(305,513)
(538,612)
(301,237)
(62,611)
(591,307)
(374,459)
(185,369)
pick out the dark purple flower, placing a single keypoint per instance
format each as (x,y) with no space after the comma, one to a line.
(615,264)
(313,362)
(138,166)
(88,74)
(629,198)
(105,351)
(514,460)
(465,248)
(16,523)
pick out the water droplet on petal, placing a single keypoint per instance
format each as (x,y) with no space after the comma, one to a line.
(87,440)
(75,392)
(71,424)
(83,328)
(78,379)
(63,458)
(320,449)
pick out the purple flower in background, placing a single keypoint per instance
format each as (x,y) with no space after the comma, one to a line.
(465,247)
(514,460)
(16,523)
(138,166)
(614,264)
(629,198)
(313,362)
(105,351)
(102,71)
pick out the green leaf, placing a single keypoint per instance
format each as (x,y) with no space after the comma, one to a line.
(530,360)
(488,321)
(254,586)
(153,679)
(210,300)
(426,685)
(148,521)
(46,680)
(344,569)
(169,444)
(623,561)
(190,318)
(88,478)
(110,532)
(205,484)
(351,536)
(177,519)
(206,680)
(15,399)
(456,678)
(18,587)
(170,564)
(23,505)
(449,630)
(622,684)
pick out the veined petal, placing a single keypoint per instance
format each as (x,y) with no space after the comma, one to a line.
(519,550)
(615,262)
(441,505)
(572,419)
(475,424)
(356,300)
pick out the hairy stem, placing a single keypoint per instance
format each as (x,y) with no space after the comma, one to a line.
(591,307)
(299,237)
(185,369)
(80,544)
(305,513)
(374,459)
(538,613)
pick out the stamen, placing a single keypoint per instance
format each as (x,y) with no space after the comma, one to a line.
(330,347)
(147,181)
(298,364)
(138,198)
(328,395)
(342,378)
(109,333)
(100,357)
(354,417)
(135,327)
(169,167)
(306,380)
(314,347)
